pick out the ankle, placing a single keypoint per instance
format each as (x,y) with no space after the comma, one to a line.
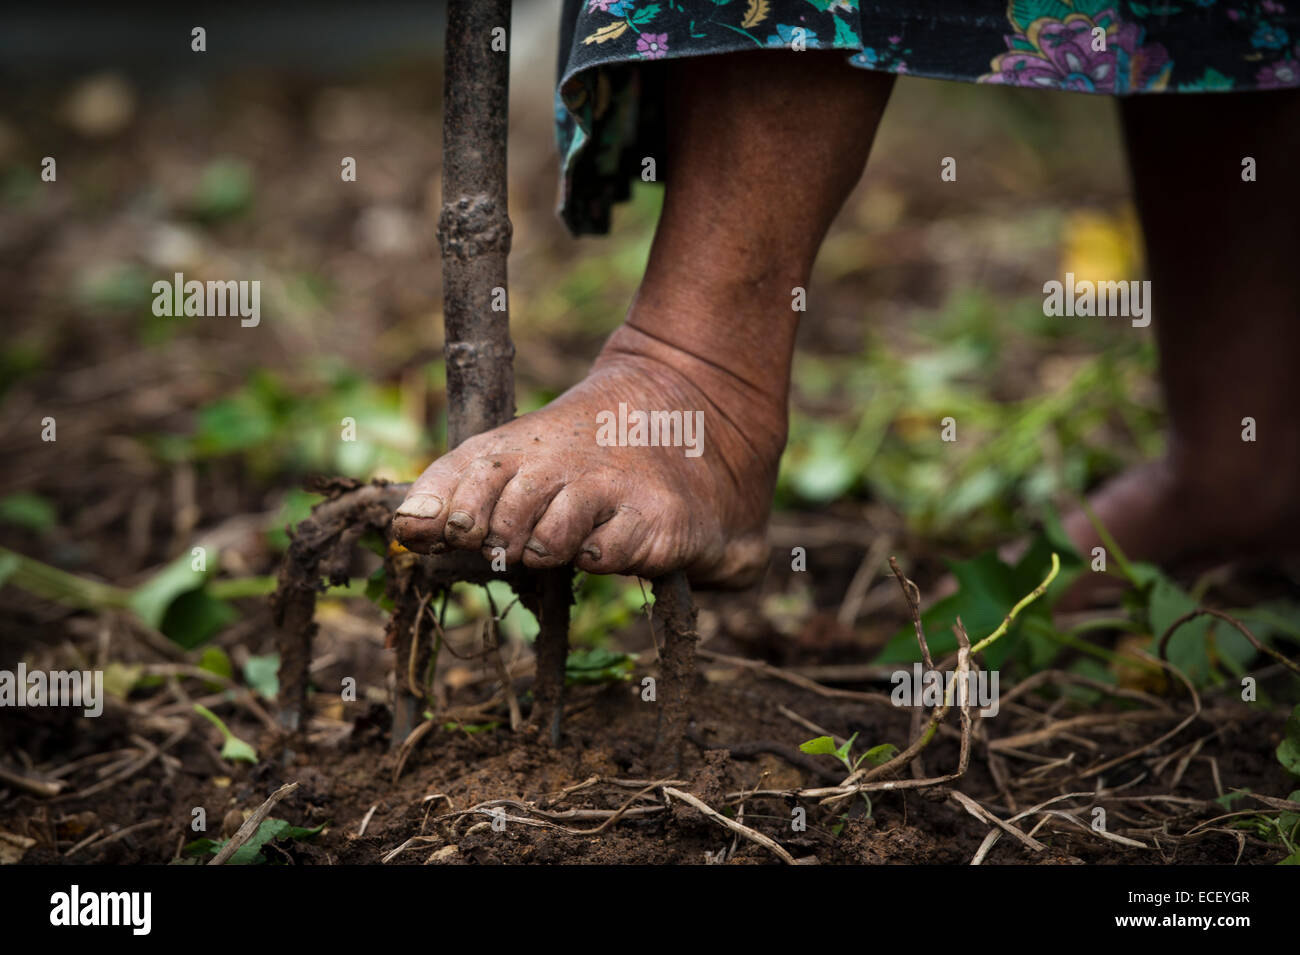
(743,414)
(744,329)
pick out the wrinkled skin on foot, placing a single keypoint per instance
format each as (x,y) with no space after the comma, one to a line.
(542,488)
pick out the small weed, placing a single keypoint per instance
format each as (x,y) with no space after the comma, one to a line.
(253,852)
(876,756)
(234,748)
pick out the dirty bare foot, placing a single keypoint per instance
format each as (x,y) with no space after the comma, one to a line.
(764,149)
(555,486)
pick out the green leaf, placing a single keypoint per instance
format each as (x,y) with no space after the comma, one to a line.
(970,494)
(1187,648)
(845,748)
(1288,751)
(215,660)
(988,589)
(250,853)
(1228,798)
(822,745)
(470,729)
(1231,647)
(377,590)
(879,755)
(262,673)
(173,601)
(195,617)
(116,288)
(986,592)
(1144,575)
(9,563)
(231,424)
(826,469)
(121,678)
(202,847)
(591,665)
(1274,618)
(374,542)
(151,599)
(224,189)
(518,624)
(294,509)
(301,833)
(235,749)
(1289,820)
(28,510)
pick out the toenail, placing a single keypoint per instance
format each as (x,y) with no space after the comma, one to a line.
(592,551)
(494,540)
(537,547)
(420,505)
(460,520)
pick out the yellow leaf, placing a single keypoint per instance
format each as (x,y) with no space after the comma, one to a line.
(755,13)
(1132,664)
(610,31)
(1100,247)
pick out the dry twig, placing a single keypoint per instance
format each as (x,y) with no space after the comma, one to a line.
(249,828)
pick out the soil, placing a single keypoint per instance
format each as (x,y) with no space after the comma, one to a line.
(739,740)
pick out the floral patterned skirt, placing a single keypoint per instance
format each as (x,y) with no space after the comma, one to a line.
(608,112)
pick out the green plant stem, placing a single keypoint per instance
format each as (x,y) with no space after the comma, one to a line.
(234,588)
(949,695)
(1025,601)
(71,590)
(1115,551)
(1083,646)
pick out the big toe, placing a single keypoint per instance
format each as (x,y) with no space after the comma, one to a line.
(422,517)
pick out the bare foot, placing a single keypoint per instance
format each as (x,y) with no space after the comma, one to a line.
(1191,516)
(544,488)
(711,332)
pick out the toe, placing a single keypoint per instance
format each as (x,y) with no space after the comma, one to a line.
(628,543)
(569,520)
(469,510)
(419,521)
(519,506)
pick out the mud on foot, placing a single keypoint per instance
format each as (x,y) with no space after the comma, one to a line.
(566,484)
